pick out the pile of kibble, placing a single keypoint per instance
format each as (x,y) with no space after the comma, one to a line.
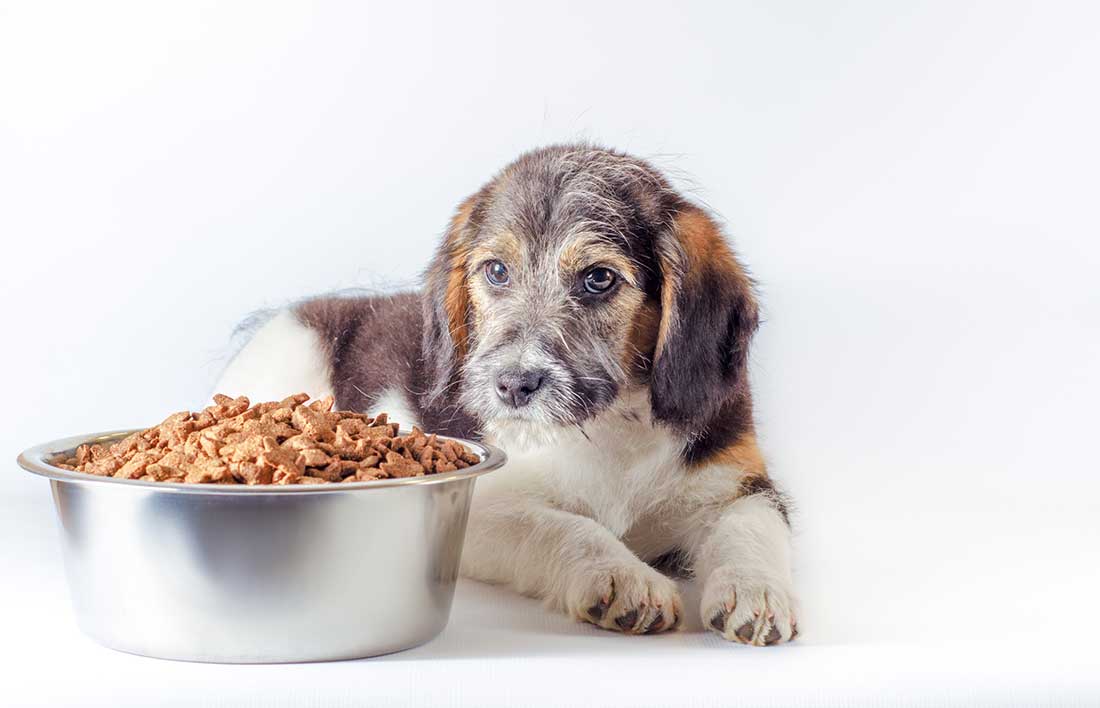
(283,442)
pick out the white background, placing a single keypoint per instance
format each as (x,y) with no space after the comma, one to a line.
(915,187)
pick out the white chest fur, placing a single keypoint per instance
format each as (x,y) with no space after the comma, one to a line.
(616,472)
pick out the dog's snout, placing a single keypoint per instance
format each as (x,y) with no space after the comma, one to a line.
(516,387)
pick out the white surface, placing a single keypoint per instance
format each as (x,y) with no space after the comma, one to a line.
(918,624)
(914,187)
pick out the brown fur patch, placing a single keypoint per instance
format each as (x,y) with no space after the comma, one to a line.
(761,485)
(744,454)
(456,301)
(642,338)
(504,246)
(702,246)
(703,243)
(458,305)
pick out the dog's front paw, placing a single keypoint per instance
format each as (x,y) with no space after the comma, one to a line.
(630,598)
(747,610)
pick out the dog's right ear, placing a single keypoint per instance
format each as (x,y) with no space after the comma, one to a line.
(446,303)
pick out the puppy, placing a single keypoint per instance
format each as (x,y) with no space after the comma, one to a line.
(595,324)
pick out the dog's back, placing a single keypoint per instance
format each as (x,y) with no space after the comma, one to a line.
(364,350)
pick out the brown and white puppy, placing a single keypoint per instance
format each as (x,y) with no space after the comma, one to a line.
(596,325)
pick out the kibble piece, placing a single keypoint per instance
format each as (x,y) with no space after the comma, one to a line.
(378,432)
(205,473)
(397,466)
(104,467)
(284,475)
(294,401)
(135,467)
(248,448)
(425,458)
(128,444)
(313,457)
(204,420)
(268,428)
(226,407)
(251,473)
(301,442)
(282,415)
(281,458)
(358,450)
(313,423)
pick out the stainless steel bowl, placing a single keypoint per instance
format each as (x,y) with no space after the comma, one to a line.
(259,574)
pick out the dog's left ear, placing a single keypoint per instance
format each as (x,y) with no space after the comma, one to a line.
(709,314)
(446,303)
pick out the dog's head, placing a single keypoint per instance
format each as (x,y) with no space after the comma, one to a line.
(574,276)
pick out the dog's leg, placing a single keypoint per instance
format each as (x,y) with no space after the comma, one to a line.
(571,561)
(744,560)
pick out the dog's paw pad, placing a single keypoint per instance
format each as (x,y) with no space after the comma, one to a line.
(628,620)
(597,611)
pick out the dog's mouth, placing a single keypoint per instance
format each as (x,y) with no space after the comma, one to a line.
(517,432)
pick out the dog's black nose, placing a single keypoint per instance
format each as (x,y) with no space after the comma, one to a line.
(516,387)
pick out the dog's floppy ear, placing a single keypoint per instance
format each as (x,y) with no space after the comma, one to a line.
(708,317)
(446,303)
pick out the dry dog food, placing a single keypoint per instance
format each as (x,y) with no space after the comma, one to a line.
(284,442)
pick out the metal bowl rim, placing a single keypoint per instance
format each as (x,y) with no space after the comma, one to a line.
(34,460)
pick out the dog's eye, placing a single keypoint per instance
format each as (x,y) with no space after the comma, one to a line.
(599,280)
(496,273)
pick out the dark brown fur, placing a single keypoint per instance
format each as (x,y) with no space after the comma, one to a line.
(374,344)
(760,484)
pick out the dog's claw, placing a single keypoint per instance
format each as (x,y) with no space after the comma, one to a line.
(656,625)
